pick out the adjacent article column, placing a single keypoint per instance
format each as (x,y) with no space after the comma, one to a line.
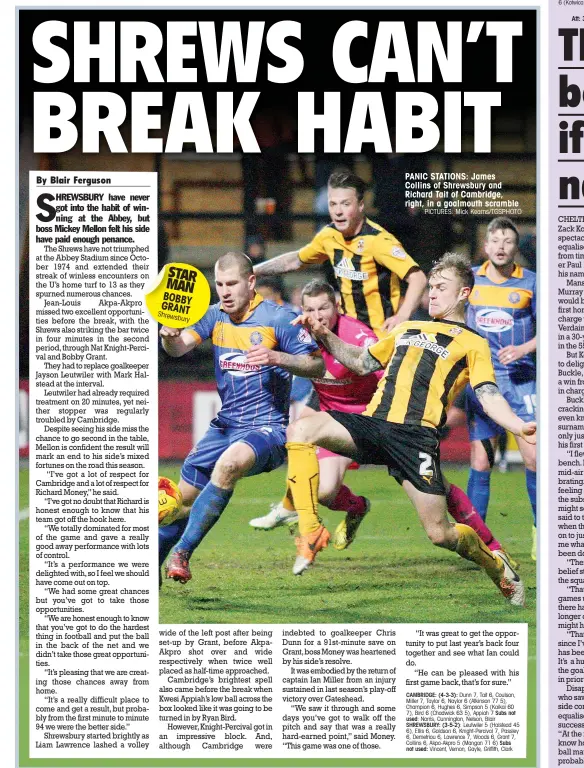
(93,461)
(566,502)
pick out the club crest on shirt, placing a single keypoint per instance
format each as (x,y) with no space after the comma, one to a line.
(455,331)
(514,298)
(398,253)
(256,338)
(360,245)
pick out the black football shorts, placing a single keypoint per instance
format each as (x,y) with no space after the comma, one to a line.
(409,452)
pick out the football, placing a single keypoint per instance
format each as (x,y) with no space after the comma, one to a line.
(169,501)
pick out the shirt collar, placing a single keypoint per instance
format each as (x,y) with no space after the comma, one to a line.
(517,270)
(357,234)
(255,302)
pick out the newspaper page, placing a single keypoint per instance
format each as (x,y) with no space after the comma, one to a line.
(565,223)
(201,582)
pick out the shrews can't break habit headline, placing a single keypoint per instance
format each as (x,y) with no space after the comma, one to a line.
(61,121)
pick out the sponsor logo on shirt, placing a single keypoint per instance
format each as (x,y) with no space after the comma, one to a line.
(345,269)
(236,364)
(494,320)
(424,341)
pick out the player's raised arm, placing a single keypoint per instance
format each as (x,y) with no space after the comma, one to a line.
(498,409)
(177,342)
(356,359)
(308,366)
(286,262)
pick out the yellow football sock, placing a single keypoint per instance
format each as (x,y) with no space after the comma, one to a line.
(303,475)
(287,501)
(471,547)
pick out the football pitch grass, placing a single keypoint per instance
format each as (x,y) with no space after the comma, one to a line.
(391,573)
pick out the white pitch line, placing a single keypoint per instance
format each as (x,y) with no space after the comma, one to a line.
(23,514)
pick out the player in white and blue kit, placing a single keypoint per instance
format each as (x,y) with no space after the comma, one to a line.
(502,308)
(256,352)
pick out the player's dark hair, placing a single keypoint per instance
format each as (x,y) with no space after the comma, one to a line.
(274,282)
(502,222)
(317,287)
(343,177)
(458,264)
(235,258)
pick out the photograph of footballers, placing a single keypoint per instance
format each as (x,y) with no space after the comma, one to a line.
(405,349)
(379,197)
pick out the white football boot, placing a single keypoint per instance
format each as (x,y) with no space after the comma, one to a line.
(276,517)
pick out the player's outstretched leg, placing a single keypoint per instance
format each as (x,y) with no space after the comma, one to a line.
(303,477)
(465,542)
(462,511)
(356,508)
(169,535)
(498,566)
(209,505)
(331,493)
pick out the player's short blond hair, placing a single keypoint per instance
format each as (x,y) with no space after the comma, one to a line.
(235,259)
(457,263)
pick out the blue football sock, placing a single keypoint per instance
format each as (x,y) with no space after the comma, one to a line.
(531,482)
(478,491)
(168,535)
(205,512)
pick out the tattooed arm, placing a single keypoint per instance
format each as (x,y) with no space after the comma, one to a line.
(286,262)
(309,366)
(498,409)
(356,359)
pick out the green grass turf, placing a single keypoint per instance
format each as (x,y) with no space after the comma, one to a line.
(391,573)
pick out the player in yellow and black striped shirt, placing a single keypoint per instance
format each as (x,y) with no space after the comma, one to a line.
(429,364)
(369,263)
(426,365)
